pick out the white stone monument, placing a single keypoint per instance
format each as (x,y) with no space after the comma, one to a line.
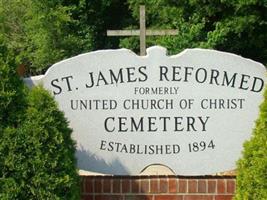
(191,112)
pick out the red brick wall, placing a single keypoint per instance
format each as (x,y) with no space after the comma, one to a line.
(157,188)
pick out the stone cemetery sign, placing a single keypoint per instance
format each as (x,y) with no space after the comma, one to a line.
(191,112)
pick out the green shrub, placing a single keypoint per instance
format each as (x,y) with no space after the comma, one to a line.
(252,168)
(36,150)
(12,95)
(12,100)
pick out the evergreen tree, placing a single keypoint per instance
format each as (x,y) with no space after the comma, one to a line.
(252,167)
(12,107)
(37,158)
(36,150)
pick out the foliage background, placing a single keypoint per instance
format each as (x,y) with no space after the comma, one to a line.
(40,33)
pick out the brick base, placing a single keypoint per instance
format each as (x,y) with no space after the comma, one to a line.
(157,188)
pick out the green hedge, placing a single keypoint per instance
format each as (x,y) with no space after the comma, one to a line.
(252,168)
(12,95)
(36,150)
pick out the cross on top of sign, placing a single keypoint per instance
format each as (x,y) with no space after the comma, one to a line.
(142,32)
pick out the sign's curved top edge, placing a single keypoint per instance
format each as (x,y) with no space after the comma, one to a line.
(218,52)
(91,53)
(156,50)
